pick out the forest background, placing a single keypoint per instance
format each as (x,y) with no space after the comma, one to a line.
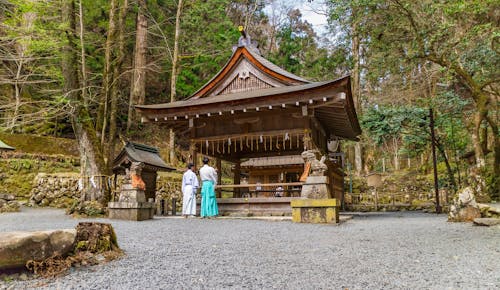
(76,68)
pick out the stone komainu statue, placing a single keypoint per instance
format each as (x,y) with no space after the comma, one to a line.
(318,167)
(134,175)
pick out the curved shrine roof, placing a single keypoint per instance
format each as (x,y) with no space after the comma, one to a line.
(248,81)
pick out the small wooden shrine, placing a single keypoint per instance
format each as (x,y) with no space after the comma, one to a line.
(252,109)
(149,156)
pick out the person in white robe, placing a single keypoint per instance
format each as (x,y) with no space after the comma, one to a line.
(189,187)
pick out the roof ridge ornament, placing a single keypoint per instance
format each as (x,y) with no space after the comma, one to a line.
(246,41)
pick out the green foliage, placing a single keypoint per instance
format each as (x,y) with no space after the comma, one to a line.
(208,35)
(299,51)
(384,124)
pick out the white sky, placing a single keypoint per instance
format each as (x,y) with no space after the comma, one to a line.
(312,11)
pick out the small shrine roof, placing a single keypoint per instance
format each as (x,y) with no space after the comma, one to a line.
(136,152)
(4,146)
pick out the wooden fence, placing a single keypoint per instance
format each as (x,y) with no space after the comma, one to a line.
(378,200)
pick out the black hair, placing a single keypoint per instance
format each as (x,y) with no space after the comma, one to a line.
(190,165)
(205,160)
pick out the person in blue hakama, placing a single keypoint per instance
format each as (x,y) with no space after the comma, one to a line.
(208,176)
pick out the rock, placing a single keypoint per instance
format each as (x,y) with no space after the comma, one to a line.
(486,221)
(38,197)
(7,196)
(467,214)
(466,197)
(9,206)
(16,248)
(488,211)
(464,207)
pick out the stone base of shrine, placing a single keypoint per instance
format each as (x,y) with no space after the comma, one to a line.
(132,211)
(265,206)
(315,211)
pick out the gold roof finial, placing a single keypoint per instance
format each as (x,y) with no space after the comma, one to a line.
(242,30)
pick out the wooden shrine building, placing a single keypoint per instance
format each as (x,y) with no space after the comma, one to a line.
(252,108)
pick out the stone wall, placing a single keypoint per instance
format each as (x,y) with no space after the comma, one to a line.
(61,190)
(167,190)
(8,203)
(55,190)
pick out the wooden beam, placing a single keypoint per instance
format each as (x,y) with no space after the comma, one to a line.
(259,184)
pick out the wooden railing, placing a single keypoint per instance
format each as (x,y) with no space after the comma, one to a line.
(394,199)
(269,189)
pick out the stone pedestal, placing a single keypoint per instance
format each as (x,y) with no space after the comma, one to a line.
(133,211)
(315,210)
(316,186)
(130,194)
(131,205)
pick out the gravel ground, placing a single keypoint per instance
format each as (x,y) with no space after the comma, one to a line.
(372,251)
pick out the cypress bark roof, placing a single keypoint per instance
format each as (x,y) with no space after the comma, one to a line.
(135,152)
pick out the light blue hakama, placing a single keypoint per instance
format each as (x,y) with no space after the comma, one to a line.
(208,200)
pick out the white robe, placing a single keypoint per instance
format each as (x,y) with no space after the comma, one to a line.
(189,186)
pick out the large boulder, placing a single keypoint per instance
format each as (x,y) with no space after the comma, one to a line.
(16,248)
(464,207)
(489,211)
(488,222)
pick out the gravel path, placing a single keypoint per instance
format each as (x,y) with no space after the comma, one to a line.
(371,251)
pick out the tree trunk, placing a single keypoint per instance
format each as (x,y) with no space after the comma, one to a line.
(478,148)
(102,113)
(22,46)
(82,47)
(115,86)
(496,162)
(17,91)
(449,170)
(356,89)
(138,82)
(173,80)
(396,153)
(92,161)
(358,158)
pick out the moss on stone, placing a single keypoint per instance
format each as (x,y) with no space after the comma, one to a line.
(17,175)
(41,144)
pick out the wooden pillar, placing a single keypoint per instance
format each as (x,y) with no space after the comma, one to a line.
(218,165)
(192,153)
(237,174)
(306,140)
(192,144)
